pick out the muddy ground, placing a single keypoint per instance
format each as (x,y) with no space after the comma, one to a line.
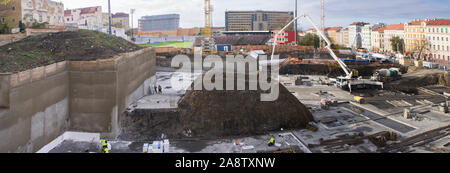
(41,50)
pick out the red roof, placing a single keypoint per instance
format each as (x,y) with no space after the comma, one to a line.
(332,28)
(380,29)
(89,10)
(395,27)
(438,22)
(417,22)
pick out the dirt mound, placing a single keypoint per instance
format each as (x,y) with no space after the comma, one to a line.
(218,114)
(35,51)
(236,113)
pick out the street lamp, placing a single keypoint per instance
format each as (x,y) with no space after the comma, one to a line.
(132,26)
(109,15)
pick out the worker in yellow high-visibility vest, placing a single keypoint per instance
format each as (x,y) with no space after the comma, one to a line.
(272,141)
(104,145)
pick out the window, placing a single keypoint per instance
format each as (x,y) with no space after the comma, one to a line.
(3,20)
(13,8)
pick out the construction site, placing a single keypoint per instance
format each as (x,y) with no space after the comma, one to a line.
(69,92)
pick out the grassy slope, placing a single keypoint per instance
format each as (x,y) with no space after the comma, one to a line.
(36,51)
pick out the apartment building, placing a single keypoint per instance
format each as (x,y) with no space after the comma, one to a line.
(355,34)
(257,20)
(415,40)
(334,34)
(377,39)
(394,30)
(159,22)
(345,41)
(366,34)
(118,20)
(121,20)
(437,32)
(90,18)
(31,12)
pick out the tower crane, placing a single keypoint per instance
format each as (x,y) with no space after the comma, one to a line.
(208,44)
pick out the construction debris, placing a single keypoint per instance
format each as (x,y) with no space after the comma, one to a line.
(380,139)
(340,141)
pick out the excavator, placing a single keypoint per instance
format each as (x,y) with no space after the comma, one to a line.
(352,78)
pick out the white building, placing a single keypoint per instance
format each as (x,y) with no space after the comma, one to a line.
(377,39)
(355,35)
(394,30)
(437,32)
(366,34)
(90,18)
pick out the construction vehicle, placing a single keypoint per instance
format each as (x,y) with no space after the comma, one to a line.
(208,43)
(351,79)
(387,75)
(360,100)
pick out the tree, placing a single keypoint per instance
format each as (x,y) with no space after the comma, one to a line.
(310,40)
(5,29)
(397,44)
(4,2)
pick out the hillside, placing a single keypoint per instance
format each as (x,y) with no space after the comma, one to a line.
(36,51)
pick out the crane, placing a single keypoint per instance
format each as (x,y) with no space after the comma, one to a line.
(208,44)
(351,78)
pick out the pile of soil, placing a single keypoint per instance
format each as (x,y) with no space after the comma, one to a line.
(236,113)
(41,50)
(218,114)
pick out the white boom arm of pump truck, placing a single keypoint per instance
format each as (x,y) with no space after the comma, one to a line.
(344,67)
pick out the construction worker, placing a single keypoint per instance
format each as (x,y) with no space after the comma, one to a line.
(155,88)
(105,145)
(271,142)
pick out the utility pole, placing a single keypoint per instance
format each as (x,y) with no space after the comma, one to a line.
(109,14)
(322,19)
(132,26)
(296,25)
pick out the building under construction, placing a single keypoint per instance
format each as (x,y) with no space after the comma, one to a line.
(257,20)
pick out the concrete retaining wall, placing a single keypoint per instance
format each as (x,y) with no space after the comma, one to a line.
(4,90)
(38,108)
(38,105)
(102,89)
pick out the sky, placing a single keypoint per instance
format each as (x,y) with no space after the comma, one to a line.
(337,12)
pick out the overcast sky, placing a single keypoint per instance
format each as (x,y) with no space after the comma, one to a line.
(337,12)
